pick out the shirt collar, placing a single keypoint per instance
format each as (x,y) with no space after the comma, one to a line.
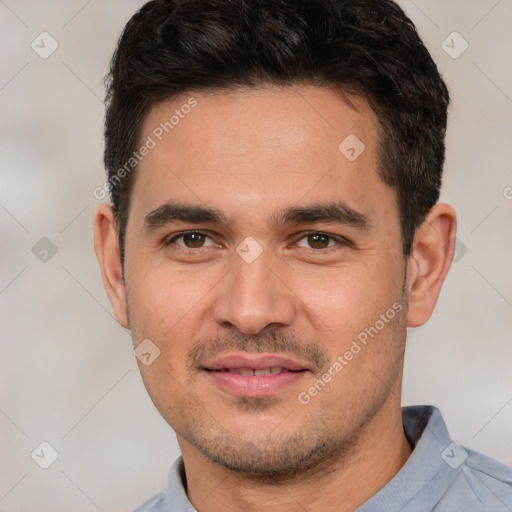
(426,475)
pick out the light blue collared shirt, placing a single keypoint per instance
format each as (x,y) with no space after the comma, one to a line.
(439,476)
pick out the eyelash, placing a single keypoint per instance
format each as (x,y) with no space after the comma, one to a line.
(340,241)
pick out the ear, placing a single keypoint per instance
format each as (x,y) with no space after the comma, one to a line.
(106,245)
(430,259)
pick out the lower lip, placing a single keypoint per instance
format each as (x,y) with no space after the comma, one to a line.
(255,385)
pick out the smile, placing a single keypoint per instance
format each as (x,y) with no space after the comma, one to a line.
(274,370)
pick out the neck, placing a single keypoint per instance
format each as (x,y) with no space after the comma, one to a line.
(377,454)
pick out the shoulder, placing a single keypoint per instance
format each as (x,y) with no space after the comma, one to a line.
(174,498)
(482,484)
(157,503)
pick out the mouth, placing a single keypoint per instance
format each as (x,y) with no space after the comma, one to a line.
(255,375)
(273,370)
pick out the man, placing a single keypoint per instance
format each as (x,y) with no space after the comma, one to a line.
(274,169)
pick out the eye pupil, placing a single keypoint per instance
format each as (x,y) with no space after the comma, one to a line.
(318,241)
(193,240)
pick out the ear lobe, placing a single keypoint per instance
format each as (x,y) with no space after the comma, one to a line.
(106,246)
(430,259)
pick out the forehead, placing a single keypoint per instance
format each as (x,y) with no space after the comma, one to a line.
(257,149)
(272,122)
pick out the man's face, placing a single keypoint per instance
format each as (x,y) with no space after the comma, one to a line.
(278,279)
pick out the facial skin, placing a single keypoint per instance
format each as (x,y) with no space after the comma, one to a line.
(250,155)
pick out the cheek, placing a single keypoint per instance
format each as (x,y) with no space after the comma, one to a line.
(358,319)
(165,307)
(345,301)
(162,299)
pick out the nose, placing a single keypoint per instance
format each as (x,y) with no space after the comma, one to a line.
(254,297)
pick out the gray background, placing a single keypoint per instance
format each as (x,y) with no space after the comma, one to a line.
(68,375)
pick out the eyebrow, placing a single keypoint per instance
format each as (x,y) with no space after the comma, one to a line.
(336,212)
(170,212)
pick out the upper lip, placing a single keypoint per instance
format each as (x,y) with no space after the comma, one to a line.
(255,361)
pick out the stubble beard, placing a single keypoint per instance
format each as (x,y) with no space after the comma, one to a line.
(314,448)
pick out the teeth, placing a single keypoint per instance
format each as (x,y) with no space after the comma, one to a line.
(273,370)
(265,371)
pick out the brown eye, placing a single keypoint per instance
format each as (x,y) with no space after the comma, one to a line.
(193,240)
(318,241)
(321,242)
